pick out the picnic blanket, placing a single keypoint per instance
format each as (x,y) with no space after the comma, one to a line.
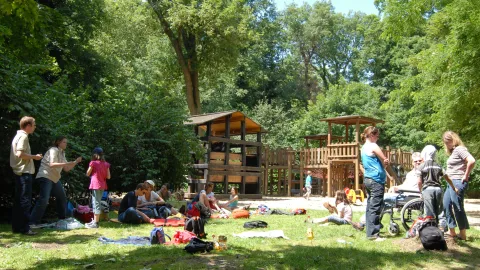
(131,240)
(169,222)
(267,234)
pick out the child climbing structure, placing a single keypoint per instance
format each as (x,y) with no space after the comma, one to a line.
(333,159)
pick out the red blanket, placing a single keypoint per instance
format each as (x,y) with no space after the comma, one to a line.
(169,222)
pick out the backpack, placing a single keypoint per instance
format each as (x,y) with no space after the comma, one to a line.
(197,245)
(299,211)
(204,211)
(197,226)
(157,236)
(431,237)
(240,213)
(255,224)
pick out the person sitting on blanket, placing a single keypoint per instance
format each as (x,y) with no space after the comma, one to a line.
(207,197)
(233,202)
(127,213)
(164,193)
(151,204)
(342,209)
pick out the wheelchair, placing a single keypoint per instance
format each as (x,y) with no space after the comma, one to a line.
(410,206)
(408,203)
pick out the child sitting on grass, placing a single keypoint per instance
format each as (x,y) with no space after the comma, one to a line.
(233,202)
(342,210)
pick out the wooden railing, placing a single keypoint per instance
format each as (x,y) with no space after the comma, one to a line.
(341,151)
(314,156)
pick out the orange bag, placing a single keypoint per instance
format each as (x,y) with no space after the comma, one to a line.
(240,213)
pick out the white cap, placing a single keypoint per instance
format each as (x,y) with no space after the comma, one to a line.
(151,182)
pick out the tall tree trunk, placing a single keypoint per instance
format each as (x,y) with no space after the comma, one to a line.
(183,41)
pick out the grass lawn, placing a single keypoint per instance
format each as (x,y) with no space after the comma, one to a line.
(52,249)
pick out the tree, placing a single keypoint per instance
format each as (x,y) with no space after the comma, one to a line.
(206,33)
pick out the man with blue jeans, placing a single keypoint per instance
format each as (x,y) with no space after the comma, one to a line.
(128,213)
(21,161)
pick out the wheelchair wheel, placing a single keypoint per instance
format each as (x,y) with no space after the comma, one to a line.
(410,212)
(393,229)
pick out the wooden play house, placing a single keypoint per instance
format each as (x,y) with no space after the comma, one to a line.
(230,158)
(333,159)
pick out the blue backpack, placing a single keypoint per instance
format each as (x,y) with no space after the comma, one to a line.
(157,236)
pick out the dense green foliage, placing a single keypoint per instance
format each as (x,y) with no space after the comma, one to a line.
(125,74)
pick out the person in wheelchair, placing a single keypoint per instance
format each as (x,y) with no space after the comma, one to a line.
(410,185)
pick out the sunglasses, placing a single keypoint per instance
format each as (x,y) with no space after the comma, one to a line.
(417,161)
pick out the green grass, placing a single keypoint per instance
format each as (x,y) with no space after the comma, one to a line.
(53,249)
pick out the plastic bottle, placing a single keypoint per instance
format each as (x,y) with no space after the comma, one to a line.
(310,234)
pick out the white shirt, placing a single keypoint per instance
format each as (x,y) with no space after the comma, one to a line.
(346,210)
(153,197)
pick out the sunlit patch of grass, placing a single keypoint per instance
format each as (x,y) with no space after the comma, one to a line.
(334,247)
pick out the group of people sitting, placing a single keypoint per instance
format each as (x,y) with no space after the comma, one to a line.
(144,204)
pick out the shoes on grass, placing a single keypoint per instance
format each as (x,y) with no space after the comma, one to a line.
(91,225)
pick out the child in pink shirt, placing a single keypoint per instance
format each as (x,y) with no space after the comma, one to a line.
(99,172)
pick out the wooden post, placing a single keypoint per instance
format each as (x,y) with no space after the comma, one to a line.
(329,178)
(329,136)
(227,155)
(346,133)
(400,157)
(289,165)
(281,173)
(259,161)
(358,154)
(265,180)
(244,151)
(301,180)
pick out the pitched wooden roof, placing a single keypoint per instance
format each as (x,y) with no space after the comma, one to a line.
(218,120)
(352,119)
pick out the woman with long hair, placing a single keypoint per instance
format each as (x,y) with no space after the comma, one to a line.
(373,161)
(459,166)
(341,212)
(49,174)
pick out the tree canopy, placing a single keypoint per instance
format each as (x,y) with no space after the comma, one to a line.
(125,75)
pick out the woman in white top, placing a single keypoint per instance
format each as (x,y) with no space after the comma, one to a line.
(152,204)
(342,210)
(49,173)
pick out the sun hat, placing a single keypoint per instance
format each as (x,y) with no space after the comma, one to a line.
(151,182)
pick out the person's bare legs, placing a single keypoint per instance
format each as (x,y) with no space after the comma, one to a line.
(319,220)
(463,234)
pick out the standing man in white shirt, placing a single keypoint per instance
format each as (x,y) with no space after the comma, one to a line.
(21,161)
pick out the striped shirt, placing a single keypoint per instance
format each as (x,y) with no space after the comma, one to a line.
(457,162)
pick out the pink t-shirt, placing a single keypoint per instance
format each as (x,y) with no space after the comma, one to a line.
(98,178)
